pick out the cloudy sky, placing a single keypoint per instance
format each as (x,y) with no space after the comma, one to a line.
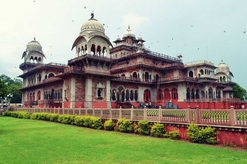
(198,29)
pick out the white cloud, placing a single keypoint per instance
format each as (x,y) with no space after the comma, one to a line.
(135,21)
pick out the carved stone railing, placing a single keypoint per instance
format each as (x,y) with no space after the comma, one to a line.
(222,117)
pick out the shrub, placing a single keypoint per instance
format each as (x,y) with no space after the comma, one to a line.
(225,144)
(174,135)
(124,125)
(88,122)
(158,130)
(26,115)
(109,125)
(79,120)
(14,114)
(143,127)
(201,135)
(34,116)
(7,113)
(166,135)
(54,117)
(97,123)
(136,127)
(66,119)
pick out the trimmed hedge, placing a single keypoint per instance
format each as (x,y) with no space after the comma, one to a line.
(19,114)
(143,127)
(201,135)
(124,125)
(174,135)
(109,125)
(158,130)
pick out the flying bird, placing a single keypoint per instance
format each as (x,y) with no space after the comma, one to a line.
(85,7)
(244,32)
(72,20)
(103,24)
(191,25)
(172,38)
(224,31)
(198,48)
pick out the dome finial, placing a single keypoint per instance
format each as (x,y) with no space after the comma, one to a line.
(92,15)
(34,38)
(128,27)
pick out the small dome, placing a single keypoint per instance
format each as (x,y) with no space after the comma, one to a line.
(92,25)
(129,33)
(118,38)
(222,67)
(34,46)
(140,38)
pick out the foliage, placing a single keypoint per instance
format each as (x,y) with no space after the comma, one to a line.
(174,135)
(79,120)
(232,145)
(143,127)
(109,125)
(66,119)
(97,123)
(136,127)
(201,135)
(239,92)
(18,114)
(88,122)
(54,117)
(124,125)
(7,113)
(166,135)
(12,86)
(158,130)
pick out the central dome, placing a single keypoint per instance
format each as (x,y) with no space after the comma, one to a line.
(222,67)
(129,33)
(34,46)
(92,25)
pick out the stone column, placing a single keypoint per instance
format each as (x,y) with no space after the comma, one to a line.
(108,93)
(140,94)
(182,92)
(88,93)
(63,94)
(72,104)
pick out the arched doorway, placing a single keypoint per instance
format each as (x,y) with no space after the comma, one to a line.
(210,93)
(147,95)
(135,75)
(175,94)
(38,95)
(188,94)
(123,96)
(191,74)
(159,95)
(167,95)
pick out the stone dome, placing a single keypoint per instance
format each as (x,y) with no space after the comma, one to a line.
(222,67)
(92,25)
(129,33)
(140,38)
(34,46)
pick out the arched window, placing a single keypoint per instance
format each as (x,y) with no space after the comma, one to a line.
(147,95)
(123,96)
(159,95)
(188,93)
(201,72)
(127,94)
(167,94)
(134,75)
(113,94)
(192,94)
(224,79)
(218,94)
(156,77)
(220,79)
(174,94)
(202,95)
(197,94)
(51,75)
(131,95)
(38,95)
(210,93)
(98,50)
(93,49)
(146,76)
(191,74)
(136,95)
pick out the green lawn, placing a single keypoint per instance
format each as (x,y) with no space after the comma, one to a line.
(34,141)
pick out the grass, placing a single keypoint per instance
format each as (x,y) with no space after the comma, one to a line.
(34,141)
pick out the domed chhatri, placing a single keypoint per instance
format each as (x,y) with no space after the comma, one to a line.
(223,72)
(92,39)
(33,52)
(92,25)
(129,33)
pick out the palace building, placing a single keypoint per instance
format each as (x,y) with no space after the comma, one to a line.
(103,75)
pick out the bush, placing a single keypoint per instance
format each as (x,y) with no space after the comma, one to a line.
(26,115)
(158,130)
(97,123)
(66,119)
(201,135)
(136,127)
(88,122)
(174,135)
(79,120)
(14,114)
(34,116)
(166,135)
(232,145)
(143,127)
(54,117)
(109,125)
(7,113)
(124,125)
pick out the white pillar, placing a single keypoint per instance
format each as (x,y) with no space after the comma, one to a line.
(88,93)
(72,104)
(108,93)
(181,92)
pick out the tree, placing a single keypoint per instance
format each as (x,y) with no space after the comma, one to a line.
(3,89)
(239,92)
(11,86)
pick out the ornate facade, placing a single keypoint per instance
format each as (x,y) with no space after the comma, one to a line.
(125,74)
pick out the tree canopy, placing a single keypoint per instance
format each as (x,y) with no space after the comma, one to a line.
(239,92)
(8,85)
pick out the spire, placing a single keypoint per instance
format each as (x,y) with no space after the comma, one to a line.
(128,27)
(34,38)
(92,15)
